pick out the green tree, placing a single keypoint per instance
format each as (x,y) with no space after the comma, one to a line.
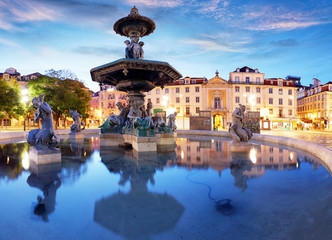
(62,95)
(10,99)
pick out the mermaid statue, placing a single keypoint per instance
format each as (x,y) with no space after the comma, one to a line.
(236,130)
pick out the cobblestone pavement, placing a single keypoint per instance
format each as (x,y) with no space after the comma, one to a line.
(323,138)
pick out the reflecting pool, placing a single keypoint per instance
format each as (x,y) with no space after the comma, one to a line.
(114,193)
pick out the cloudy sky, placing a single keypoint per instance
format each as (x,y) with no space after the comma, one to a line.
(196,37)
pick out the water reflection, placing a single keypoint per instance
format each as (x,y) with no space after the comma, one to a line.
(46,178)
(11,164)
(138,213)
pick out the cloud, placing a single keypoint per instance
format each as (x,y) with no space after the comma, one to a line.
(269,17)
(8,42)
(285,42)
(156,3)
(210,45)
(14,12)
(98,51)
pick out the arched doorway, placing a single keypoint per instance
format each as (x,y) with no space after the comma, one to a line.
(218,122)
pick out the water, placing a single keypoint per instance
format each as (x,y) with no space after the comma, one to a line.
(112,193)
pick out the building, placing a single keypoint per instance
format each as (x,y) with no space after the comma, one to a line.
(10,73)
(314,105)
(274,98)
(217,94)
(103,104)
(183,96)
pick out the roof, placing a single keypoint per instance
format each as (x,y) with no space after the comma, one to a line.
(243,69)
(182,81)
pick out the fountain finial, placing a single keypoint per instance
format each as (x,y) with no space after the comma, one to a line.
(133,11)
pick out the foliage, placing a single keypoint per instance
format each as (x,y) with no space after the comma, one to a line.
(62,95)
(10,99)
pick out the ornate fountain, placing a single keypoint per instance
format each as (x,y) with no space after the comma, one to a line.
(135,75)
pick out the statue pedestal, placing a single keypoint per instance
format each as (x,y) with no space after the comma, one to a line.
(75,136)
(111,139)
(166,139)
(44,156)
(39,169)
(144,144)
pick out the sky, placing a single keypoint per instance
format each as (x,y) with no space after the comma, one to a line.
(196,37)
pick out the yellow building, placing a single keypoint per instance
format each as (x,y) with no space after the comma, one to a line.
(183,96)
(217,94)
(274,98)
(315,106)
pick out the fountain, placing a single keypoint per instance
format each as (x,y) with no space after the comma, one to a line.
(135,75)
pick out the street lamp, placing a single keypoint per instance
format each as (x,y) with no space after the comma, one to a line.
(25,100)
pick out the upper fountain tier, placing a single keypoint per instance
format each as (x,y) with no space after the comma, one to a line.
(134,25)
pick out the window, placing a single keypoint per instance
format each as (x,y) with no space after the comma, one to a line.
(198,149)
(166,90)
(258,100)
(187,99)
(280,83)
(157,101)
(157,91)
(149,92)
(270,100)
(217,102)
(187,81)
(237,99)
(247,80)
(271,90)
(109,97)
(196,89)
(177,100)
(177,90)
(187,110)
(258,80)
(197,99)
(280,101)
(247,89)
(290,92)
(270,111)
(181,82)
(102,104)
(237,89)
(280,90)
(237,80)
(290,112)
(178,110)
(187,89)
(290,102)
(197,109)
(271,149)
(193,81)
(258,90)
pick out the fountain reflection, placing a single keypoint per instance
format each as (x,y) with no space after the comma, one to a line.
(138,213)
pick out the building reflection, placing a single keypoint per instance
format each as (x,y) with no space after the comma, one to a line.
(245,163)
(13,160)
(139,213)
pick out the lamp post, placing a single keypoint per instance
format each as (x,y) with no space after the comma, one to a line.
(25,100)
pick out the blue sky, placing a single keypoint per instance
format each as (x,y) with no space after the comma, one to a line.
(279,38)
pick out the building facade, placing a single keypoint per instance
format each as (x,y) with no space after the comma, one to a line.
(314,106)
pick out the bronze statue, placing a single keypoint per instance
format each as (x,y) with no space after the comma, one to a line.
(76,126)
(43,137)
(236,130)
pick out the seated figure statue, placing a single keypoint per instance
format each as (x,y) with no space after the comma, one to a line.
(43,137)
(236,130)
(171,121)
(139,116)
(76,126)
(116,120)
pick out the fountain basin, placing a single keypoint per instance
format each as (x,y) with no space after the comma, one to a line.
(135,74)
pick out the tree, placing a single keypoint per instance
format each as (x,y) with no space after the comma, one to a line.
(10,99)
(62,95)
(61,74)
